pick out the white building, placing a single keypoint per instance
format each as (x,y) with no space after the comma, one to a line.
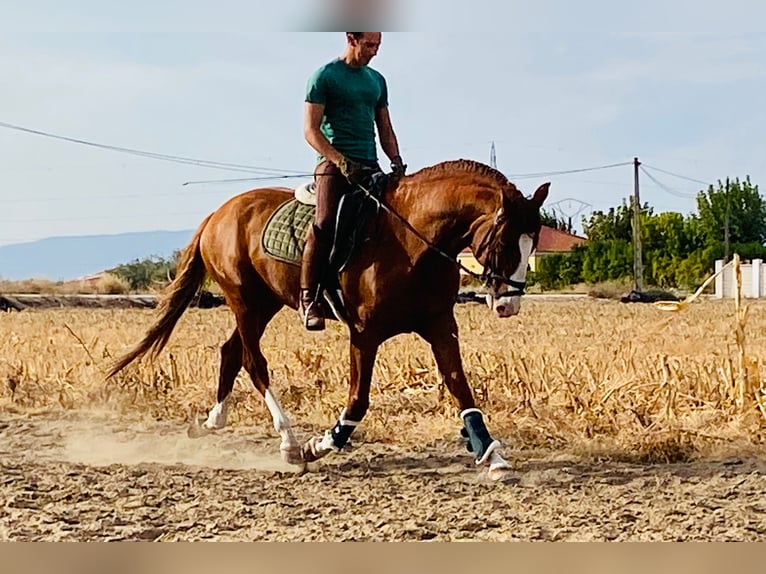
(753,280)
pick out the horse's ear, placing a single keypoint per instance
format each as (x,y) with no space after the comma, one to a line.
(541,193)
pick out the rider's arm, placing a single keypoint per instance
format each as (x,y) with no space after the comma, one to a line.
(386,131)
(312,120)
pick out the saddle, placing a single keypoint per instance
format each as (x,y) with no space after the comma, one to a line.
(284,236)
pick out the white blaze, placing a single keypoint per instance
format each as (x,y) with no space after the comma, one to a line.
(525,248)
(511,304)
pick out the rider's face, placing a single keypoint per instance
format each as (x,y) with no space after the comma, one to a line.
(367,46)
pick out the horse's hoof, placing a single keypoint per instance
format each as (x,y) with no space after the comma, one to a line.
(308,453)
(292,455)
(498,468)
(312,450)
(196,430)
(502,474)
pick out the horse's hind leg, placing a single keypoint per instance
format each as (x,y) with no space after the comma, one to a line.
(231,363)
(442,335)
(251,323)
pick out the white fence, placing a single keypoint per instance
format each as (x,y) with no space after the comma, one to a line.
(753,280)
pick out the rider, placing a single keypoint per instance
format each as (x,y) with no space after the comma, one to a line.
(345,101)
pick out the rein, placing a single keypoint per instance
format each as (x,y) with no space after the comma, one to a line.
(485,277)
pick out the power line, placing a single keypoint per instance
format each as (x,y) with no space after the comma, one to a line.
(275,173)
(705,183)
(120,196)
(281,173)
(566,171)
(153,155)
(510,176)
(244,179)
(665,188)
(278,173)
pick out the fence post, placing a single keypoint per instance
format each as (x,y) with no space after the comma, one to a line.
(756,278)
(719,279)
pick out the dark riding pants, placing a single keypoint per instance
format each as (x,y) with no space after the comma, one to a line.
(330,185)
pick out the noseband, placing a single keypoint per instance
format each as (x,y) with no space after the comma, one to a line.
(517,287)
(490,274)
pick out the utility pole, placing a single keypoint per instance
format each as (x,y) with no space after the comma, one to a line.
(726,218)
(638,266)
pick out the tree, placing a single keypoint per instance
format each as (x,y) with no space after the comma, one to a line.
(547,273)
(746,213)
(608,252)
(668,238)
(695,268)
(614,224)
(550,219)
(678,250)
(148,272)
(606,260)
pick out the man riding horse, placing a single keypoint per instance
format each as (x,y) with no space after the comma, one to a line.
(345,101)
(405,281)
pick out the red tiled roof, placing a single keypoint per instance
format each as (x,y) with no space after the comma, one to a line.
(556,240)
(553,241)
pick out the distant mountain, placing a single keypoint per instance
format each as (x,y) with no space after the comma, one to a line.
(65,258)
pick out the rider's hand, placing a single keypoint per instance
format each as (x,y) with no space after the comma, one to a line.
(398,167)
(353,171)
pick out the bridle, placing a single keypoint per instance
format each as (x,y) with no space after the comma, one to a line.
(516,287)
(489,274)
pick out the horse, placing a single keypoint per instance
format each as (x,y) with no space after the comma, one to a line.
(404,280)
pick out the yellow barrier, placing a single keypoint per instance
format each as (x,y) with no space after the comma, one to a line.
(676,306)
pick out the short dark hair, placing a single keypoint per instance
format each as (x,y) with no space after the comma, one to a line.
(357,35)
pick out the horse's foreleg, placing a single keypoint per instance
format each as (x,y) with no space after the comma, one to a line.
(480,442)
(334,439)
(442,335)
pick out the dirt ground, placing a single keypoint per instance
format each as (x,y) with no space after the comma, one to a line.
(97,477)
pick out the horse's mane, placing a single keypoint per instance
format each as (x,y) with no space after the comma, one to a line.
(466,166)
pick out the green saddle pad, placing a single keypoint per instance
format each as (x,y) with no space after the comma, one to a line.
(285,234)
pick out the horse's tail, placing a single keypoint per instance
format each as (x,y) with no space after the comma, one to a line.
(181,292)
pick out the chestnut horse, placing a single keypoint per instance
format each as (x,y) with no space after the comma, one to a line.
(405,280)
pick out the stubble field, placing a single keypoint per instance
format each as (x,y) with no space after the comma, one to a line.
(622,422)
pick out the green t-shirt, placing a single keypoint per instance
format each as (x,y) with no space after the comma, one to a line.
(351,96)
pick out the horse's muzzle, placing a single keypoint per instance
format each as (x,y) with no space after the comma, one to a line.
(507,306)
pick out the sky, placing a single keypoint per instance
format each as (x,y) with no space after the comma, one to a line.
(556,85)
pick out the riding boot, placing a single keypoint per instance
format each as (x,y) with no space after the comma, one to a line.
(311,310)
(315,255)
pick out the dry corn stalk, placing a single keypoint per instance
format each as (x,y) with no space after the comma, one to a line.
(561,375)
(741,311)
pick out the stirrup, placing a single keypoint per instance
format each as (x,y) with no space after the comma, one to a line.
(314,322)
